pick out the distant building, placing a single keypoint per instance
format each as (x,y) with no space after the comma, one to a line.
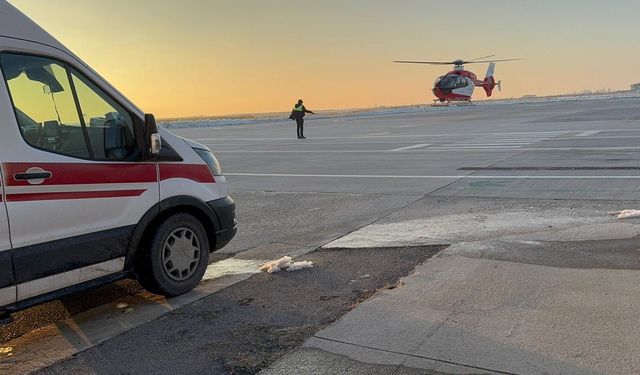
(635,87)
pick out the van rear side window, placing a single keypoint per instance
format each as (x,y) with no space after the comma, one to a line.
(59,110)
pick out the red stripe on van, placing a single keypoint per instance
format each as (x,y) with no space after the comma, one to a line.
(85,173)
(28,197)
(195,172)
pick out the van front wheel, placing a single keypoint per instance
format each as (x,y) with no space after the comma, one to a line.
(177,257)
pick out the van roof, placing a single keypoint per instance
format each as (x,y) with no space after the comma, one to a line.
(14,24)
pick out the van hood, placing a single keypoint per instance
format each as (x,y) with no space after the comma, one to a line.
(193,144)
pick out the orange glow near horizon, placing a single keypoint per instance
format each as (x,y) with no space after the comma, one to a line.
(214,57)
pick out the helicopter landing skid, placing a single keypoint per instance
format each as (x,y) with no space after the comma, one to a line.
(462,103)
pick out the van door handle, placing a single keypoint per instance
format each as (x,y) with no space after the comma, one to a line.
(25,176)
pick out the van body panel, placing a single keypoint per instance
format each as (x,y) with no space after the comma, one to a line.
(48,220)
(7,283)
(15,25)
(177,178)
(80,198)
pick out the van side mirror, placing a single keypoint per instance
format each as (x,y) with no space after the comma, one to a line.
(151,135)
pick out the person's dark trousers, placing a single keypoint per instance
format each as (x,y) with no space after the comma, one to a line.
(300,123)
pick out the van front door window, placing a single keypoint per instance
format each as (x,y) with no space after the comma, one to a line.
(109,126)
(44,104)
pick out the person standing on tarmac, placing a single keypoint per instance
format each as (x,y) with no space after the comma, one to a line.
(298,114)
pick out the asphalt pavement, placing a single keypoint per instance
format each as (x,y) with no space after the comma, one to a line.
(539,278)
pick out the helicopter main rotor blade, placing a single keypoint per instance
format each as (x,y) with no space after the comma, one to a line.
(425,62)
(481,58)
(490,61)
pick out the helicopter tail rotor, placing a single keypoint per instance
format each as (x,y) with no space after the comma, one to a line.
(489,82)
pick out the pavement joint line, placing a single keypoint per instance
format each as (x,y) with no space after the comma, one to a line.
(426,177)
(414,356)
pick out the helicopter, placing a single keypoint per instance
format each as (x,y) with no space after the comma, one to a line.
(457,85)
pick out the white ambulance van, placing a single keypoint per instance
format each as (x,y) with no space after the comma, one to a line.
(92,190)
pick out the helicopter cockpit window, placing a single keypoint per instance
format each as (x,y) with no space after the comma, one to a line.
(44,104)
(449,82)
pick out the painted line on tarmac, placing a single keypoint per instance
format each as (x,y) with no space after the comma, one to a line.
(432,149)
(410,147)
(232,266)
(477,146)
(515,134)
(588,133)
(436,177)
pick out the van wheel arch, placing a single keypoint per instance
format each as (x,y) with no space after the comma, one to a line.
(159,213)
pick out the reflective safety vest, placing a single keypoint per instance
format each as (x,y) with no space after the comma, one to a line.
(299,109)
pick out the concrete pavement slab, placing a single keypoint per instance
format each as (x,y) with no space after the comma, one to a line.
(503,316)
(434,220)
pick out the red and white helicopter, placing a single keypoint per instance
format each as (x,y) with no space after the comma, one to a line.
(457,85)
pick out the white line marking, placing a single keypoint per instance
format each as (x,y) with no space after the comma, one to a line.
(588,133)
(378,134)
(435,177)
(428,150)
(528,140)
(487,144)
(411,147)
(232,266)
(516,134)
(480,146)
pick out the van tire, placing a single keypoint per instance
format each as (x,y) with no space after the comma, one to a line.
(177,256)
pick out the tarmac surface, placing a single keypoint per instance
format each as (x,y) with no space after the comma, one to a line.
(539,278)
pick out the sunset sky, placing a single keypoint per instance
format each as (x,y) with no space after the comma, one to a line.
(212,57)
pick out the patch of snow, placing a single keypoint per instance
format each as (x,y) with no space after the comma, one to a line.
(284,263)
(296,266)
(626,214)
